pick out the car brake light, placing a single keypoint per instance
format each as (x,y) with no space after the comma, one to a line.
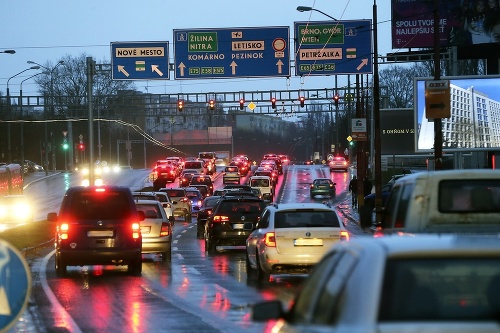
(165,229)
(344,235)
(221,218)
(270,239)
(136,230)
(63,230)
(100,189)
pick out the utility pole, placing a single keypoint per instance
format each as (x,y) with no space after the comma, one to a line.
(438,126)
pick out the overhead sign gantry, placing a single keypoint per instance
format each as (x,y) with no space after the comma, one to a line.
(333,47)
(231,53)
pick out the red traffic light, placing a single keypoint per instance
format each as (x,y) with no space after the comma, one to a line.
(302,99)
(211,104)
(242,103)
(180,105)
(336,99)
(273,102)
(81,146)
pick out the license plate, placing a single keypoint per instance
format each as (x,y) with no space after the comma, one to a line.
(308,242)
(145,230)
(238,226)
(100,233)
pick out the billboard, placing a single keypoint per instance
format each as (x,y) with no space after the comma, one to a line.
(397,134)
(474,123)
(461,22)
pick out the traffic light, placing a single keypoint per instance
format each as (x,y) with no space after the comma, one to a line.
(65,146)
(273,102)
(211,104)
(242,103)
(81,147)
(180,105)
(302,99)
(336,99)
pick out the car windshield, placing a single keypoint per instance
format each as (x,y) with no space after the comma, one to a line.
(441,289)
(306,219)
(99,205)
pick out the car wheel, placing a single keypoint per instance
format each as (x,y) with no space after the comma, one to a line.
(209,245)
(199,232)
(60,266)
(135,267)
(166,256)
(261,275)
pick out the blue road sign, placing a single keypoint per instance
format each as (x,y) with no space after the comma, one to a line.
(139,61)
(15,285)
(333,47)
(231,53)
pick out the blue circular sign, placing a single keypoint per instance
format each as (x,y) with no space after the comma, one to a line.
(15,285)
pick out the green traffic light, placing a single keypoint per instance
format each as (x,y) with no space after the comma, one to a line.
(65,146)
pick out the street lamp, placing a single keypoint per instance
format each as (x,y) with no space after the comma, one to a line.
(8,51)
(9,157)
(46,157)
(308,9)
(22,116)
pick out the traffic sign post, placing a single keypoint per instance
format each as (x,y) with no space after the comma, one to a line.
(231,53)
(139,61)
(333,47)
(15,285)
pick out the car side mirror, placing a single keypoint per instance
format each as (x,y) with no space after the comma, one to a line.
(171,218)
(52,217)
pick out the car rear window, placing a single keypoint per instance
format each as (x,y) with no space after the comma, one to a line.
(193,194)
(231,169)
(259,182)
(105,205)
(469,195)
(306,219)
(241,207)
(175,193)
(193,165)
(150,211)
(441,289)
(201,180)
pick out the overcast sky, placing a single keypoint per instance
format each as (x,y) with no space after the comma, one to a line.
(46,31)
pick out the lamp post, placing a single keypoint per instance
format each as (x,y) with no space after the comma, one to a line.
(22,116)
(46,157)
(308,9)
(9,152)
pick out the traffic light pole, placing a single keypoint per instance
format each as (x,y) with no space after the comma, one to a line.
(90,74)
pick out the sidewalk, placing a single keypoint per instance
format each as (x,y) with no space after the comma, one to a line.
(352,218)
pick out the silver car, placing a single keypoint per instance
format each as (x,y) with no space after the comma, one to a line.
(430,283)
(292,238)
(156,229)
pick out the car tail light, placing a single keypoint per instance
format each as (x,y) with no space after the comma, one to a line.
(331,185)
(311,186)
(270,239)
(165,229)
(63,231)
(221,218)
(209,212)
(184,200)
(136,230)
(344,235)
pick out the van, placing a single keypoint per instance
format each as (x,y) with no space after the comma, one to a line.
(264,184)
(447,201)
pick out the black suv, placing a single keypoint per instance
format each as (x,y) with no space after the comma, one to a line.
(203,180)
(232,221)
(98,225)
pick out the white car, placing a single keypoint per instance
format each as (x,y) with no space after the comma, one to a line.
(338,163)
(156,229)
(433,283)
(292,238)
(231,174)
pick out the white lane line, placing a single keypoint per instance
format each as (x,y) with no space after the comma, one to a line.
(61,317)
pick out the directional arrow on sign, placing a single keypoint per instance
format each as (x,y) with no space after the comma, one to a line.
(122,70)
(155,69)
(280,66)
(181,68)
(233,67)
(363,63)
